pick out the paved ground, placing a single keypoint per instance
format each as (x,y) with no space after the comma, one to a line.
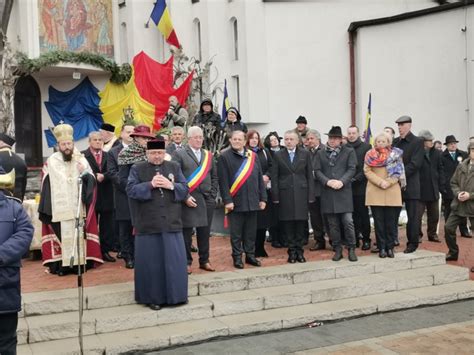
(35,278)
(444,329)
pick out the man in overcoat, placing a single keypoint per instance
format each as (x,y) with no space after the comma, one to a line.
(199,168)
(334,168)
(16,232)
(452,157)
(104,206)
(432,182)
(413,153)
(10,160)
(293,189)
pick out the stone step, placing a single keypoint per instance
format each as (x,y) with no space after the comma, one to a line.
(43,303)
(163,336)
(107,320)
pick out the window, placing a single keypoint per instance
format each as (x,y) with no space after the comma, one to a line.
(236,87)
(197,26)
(235,38)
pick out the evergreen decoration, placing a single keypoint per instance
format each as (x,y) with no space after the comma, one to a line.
(119,73)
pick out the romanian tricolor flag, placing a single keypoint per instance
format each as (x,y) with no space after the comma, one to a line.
(161,17)
(368,138)
(225,104)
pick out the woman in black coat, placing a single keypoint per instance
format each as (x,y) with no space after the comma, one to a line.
(263,217)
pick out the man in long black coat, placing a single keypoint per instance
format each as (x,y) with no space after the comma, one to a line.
(413,153)
(241,204)
(452,157)
(199,168)
(10,160)
(432,182)
(293,189)
(104,206)
(359,185)
(122,217)
(334,168)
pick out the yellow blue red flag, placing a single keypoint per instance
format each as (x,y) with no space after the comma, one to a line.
(225,104)
(368,138)
(162,19)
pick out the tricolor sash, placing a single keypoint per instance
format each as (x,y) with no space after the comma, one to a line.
(243,173)
(198,175)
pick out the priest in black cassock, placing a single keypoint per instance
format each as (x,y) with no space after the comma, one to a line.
(155,189)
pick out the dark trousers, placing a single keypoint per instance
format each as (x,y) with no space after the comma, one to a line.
(339,223)
(127,240)
(447,210)
(295,232)
(450,232)
(243,231)
(432,213)
(316,218)
(8,324)
(385,222)
(106,230)
(361,218)
(413,223)
(203,234)
(260,242)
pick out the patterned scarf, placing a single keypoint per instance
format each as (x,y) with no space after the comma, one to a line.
(391,158)
(134,153)
(332,154)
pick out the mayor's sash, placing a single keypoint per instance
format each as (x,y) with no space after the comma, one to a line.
(198,175)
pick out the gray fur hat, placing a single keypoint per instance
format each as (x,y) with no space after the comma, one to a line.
(426,135)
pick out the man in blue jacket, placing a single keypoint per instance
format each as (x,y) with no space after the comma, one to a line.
(16,232)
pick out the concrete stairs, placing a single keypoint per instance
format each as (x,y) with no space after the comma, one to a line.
(239,302)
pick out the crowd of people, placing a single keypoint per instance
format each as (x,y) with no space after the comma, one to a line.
(144,195)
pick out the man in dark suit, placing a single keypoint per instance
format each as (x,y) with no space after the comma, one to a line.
(432,181)
(452,157)
(10,160)
(198,166)
(334,168)
(244,194)
(359,185)
(177,137)
(314,145)
(413,153)
(122,220)
(104,206)
(293,189)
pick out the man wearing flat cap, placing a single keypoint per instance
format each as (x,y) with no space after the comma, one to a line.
(107,132)
(432,183)
(413,154)
(156,188)
(334,167)
(452,157)
(10,160)
(301,128)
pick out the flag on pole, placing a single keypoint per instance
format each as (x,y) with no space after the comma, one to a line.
(162,19)
(225,104)
(368,138)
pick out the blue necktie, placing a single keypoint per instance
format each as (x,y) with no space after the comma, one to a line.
(454,156)
(292,156)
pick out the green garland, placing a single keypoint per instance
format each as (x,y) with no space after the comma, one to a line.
(119,73)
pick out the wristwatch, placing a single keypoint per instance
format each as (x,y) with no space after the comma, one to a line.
(172,187)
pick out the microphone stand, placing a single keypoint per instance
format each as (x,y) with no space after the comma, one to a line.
(76,247)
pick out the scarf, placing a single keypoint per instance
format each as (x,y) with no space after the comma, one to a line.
(134,153)
(332,154)
(391,158)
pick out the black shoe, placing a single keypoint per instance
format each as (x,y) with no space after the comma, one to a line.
(397,243)
(155,307)
(366,245)
(352,254)
(390,253)
(276,245)
(466,235)
(193,249)
(119,255)
(252,261)
(108,257)
(238,264)
(318,246)
(382,253)
(452,257)
(269,239)
(434,239)
(129,264)
(337,255)
(300,259)
(261,254)
(409,250)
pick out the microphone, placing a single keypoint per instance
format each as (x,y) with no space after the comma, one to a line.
(158,172)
